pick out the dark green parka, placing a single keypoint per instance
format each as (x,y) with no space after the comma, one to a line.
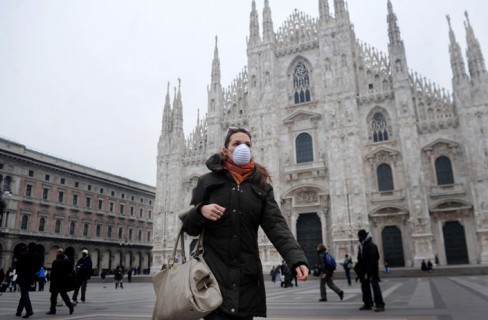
(231,244)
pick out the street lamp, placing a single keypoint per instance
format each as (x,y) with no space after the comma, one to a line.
(124,245)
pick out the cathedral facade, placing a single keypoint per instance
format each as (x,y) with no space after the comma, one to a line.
(352,137)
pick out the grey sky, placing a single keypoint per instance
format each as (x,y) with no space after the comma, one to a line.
(86,80)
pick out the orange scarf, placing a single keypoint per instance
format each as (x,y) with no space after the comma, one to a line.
(239,173)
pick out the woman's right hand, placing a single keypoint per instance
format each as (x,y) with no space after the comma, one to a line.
(212,211)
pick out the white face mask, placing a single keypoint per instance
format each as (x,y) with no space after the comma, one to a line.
(242,155)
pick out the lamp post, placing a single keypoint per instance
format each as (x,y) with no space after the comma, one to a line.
(124,245)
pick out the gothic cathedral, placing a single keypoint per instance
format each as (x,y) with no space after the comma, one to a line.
(353,139)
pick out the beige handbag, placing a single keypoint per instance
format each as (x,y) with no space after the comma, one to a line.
(188,291)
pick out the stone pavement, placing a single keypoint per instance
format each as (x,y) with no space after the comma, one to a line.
(417,298)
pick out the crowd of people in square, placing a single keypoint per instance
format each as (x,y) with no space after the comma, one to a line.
(28,273)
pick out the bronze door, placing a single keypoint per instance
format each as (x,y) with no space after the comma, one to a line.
(309,235)
(455,243)
(393,246)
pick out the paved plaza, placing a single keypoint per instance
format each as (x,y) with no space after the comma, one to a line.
(426,298)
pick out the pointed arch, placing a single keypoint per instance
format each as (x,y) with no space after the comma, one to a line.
(299,73)
(379,125)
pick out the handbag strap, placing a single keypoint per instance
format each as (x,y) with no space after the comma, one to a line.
(197,251)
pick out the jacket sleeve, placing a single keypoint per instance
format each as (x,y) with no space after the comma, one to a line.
(278,232)
(193,222)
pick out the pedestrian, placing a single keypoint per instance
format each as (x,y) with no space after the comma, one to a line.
(83,271)
(327,268)
(367,268)
(423,265)
(103,275)
(436,260)
(429,266)
(285,275)
(2,275)
(119,277)
(277,273)
(347,265)
(386,267)
(129,275)
(59,279)
(230,204)
(27,263)
(41,278)
(273,274)
(13,279)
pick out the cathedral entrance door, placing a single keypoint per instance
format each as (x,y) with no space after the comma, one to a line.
(455,243)
(393,246)
(309,235)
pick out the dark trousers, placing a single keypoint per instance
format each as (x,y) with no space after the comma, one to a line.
(366,286)
(24,301)
(217,315)
(348,275)
(54,298)
(80,285)
(329,280)
(41,284)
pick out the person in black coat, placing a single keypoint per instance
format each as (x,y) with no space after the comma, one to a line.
(60,279)
(230,204)
(83,273)
(367,269)
(27,263)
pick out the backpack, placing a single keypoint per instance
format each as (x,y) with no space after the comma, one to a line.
(330,263)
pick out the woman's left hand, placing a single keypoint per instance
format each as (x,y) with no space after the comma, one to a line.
(302,272)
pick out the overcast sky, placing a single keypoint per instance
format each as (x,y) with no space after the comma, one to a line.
(86,80)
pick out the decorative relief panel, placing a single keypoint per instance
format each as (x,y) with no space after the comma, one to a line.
(306,198)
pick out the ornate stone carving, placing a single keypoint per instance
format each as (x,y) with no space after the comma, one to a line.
(306,197)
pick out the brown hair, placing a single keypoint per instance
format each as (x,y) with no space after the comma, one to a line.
(233,130)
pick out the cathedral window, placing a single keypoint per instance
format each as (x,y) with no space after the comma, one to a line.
(398,64)
(385,177)
(253,81)
(304,148)
(121,231)
(98,231)
(85,229)
(443,170)
(327,64)
(301,83)
(379,127)
(109,232)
